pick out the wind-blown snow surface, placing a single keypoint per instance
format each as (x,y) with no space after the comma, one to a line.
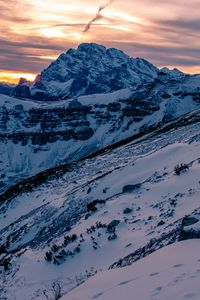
(169,273)
(144,199)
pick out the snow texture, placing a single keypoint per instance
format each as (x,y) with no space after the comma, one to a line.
(139,176)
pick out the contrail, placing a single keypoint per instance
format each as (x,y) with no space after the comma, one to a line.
(98,15)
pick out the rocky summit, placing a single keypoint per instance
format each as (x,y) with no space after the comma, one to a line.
(90,69)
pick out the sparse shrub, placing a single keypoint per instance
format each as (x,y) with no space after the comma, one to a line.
(3,249)
(112,237)
(61,254)
(127,210)
(100,225)
(57,290)
(69,253)
(55,261)
(48,256)
(178,169)
(55,248)
(92,205)
(112,226)
(57,254)
(77,249)
(69,239)
(5,263)
(161,223)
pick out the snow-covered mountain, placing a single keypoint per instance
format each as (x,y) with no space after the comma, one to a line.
(134,96)
(108,212)
(91,69)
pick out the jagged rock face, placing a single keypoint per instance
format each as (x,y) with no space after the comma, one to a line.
(41,126)
(88,70)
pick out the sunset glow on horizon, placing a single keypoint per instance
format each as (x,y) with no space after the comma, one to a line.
(166,34)
(13,76)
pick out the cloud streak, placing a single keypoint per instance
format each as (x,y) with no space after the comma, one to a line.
(98,16)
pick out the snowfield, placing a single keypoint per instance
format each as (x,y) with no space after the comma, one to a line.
(170,273)
(108,212)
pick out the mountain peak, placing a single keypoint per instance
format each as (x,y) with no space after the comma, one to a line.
(92,48)
(89,69)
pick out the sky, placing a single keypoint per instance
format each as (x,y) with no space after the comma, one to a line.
(34,32)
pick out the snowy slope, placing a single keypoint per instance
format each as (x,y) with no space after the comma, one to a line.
(169,273)
(145,209)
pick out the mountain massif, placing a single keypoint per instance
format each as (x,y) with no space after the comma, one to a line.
(91,69)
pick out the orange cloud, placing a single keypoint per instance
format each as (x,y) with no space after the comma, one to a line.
(13,77)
